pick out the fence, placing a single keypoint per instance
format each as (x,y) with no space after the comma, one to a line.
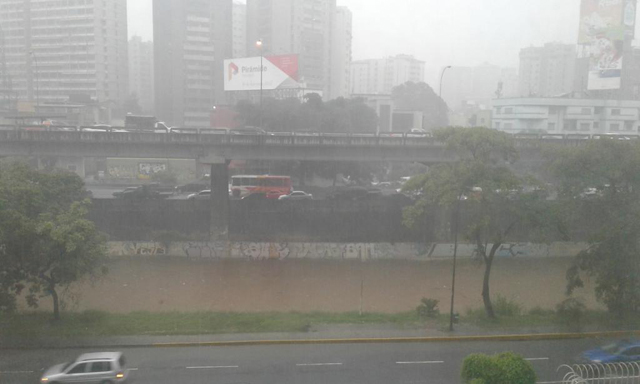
(615,373)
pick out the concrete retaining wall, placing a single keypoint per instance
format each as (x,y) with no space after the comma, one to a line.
(333,251)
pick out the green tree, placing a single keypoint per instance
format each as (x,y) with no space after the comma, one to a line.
(503,368)
(46,241)
(599,184)
(421,97)
(481,181)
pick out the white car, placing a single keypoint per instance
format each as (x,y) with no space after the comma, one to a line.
(202,195)
(296,195)
(101,367)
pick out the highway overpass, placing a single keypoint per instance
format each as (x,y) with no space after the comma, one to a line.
(216,148)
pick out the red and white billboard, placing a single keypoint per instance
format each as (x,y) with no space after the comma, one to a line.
(277,72)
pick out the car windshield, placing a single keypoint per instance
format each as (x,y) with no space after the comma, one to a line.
(319,191)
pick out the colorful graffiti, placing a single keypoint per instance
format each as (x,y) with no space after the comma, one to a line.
(335,251)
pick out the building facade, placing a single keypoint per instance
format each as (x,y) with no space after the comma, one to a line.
(239,25)
(302,27)
(379,76)
(53,50)
(192,39)
(341,53)
(478,85)
(547,71)
(141,78)
(566,116)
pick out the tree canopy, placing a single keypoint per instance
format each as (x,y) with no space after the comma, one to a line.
(45,241)
(313,115)
(494,198)
(412,96)
(599,183)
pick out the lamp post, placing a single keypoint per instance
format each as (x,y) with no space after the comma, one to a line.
(35,59)
(259,46)
(441,77)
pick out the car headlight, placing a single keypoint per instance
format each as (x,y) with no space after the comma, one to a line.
(596,361)
(44,379)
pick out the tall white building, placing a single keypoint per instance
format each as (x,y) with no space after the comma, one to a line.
(547,70)
(54,50)
(141,80)
(239,25)
(478,85)
(341,53)
(302,27)
(192,38)
(379,76)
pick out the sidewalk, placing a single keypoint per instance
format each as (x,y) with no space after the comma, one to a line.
(320,334)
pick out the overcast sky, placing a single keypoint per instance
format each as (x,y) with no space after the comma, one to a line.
(440,32)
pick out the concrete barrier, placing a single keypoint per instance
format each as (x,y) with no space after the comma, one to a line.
(333,251)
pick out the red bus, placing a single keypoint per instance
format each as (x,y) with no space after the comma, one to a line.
(272,186)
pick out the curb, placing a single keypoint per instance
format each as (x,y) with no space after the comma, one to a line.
(363,340)
(520,337)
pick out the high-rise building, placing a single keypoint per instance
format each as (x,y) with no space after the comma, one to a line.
(379,76)
(341,53)
(55,50)
(477,85)
(547,70)
(192,38)
(239,25)
(141,79)
(302,27)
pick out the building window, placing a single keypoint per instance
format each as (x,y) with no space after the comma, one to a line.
(596,125)
(585,126)
(508,111)
(586,111)
(498,110)
(570,125)
(628,125)
(598,110)
(615,112)
(508,125)
(551,126)
(614,127)
(497,125)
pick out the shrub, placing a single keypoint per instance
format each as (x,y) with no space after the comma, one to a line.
(571,311)
(428,308)
(515,369)
(505,368)
(505,307)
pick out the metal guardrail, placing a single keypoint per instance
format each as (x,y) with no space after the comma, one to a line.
(225,137)
(615,373)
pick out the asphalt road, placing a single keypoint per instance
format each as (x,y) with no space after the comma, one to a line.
(433,363)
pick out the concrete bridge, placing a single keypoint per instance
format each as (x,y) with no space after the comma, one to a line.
(216,148)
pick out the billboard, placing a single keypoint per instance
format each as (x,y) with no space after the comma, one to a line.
(604,25)
(277,72)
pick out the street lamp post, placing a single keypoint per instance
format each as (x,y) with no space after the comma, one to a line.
(259,45)
(441,77)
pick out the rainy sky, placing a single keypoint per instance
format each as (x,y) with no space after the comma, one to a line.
(440,32)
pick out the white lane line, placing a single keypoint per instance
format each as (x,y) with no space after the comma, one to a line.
(214,367)
(133,369)
(15,372)
(421,362)
(316,364)
(536,358)
(551,382)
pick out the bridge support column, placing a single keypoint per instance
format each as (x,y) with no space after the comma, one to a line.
(219,222)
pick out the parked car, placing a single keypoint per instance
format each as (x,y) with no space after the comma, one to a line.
(202,195)
(620,352)
(194,186)
(255,197)
(101,367)
(139,192)
(296,196)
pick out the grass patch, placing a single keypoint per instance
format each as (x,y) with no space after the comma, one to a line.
(96,323)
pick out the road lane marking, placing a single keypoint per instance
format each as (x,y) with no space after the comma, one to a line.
(316,364)
(133,369)
(16,372)
(536,358)
(214,367)
(421,362)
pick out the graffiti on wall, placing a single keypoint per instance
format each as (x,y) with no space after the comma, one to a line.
(335,251)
